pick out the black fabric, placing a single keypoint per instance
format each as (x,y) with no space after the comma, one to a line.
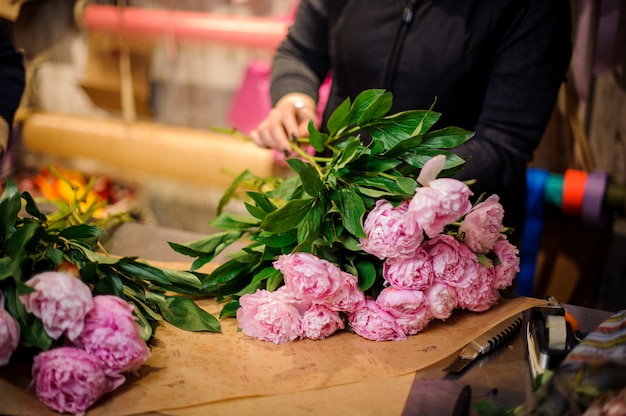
(490,66)
(11,77)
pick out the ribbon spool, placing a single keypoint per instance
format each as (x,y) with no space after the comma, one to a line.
(593,209)
(574,183)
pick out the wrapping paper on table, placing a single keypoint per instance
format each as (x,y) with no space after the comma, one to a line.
(190,369)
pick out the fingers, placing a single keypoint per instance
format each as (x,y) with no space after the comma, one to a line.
(286,121)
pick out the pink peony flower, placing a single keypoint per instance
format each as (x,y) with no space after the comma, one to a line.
(9,334)
(68,379)
(440,203)
(508,264)
(372,322)
(453,262)
(413,272)
(347,297)
(270,316)
(409,307)
(390,232)
(112,334)
(61,301)
(480,295)
(308,277)
(320,322)
(482,225)
(441,300)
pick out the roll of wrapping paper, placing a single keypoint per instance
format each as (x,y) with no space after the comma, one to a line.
(191,155)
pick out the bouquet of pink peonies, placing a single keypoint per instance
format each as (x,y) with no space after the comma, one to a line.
(85,319)
(371,235)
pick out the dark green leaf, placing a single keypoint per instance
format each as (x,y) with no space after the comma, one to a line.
(89,234)
(262,201)
(366,273)
(287,217)
(10,205)
(336,120)
(185,314)
(352,209)
(31,207)
(235,222)
(446,138)
(230,191)
(311,182)
(361,104)
(379,107)
(317,138)
(229,309)
(207,246)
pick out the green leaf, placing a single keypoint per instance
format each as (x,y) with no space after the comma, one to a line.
(352,210)
(311,182)
(361,105)
(317,139)
(262,201)
(208,246)
(31,207)
(367,273)
(89,234)
(308,230)
(10,205)
(130,267)
(185,314)
(446,138)
(235,222)
(287,217)
(377,108)
(229,309)
(230,191)
(336,121)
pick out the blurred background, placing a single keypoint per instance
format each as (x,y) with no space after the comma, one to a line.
(143,93)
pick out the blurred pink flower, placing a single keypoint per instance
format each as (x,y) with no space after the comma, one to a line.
(441,300)
(442,202)
(270,316)
(453,262)
(308,277)
(320,322)
(480,295)
(482,225)
(372,322)
(61,301)
(68,379)
(112,334)
(412,272)
(508,264)
(390,232)
(347,297)
(9,333)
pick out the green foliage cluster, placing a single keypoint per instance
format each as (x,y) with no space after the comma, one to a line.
(364,155)
(31,244)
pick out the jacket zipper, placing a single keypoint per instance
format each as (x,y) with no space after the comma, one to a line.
(398,43)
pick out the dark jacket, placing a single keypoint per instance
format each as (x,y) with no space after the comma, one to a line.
(12,77)
(493,67)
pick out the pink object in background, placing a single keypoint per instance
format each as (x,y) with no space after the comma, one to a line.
(252,103)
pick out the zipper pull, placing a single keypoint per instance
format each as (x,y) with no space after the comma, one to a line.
(409,10)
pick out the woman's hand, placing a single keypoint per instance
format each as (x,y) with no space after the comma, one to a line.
(288,120)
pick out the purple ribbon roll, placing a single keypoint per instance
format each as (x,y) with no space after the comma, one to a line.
(593,211)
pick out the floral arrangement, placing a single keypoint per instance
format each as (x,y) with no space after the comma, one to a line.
(373,235)
(84,318)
